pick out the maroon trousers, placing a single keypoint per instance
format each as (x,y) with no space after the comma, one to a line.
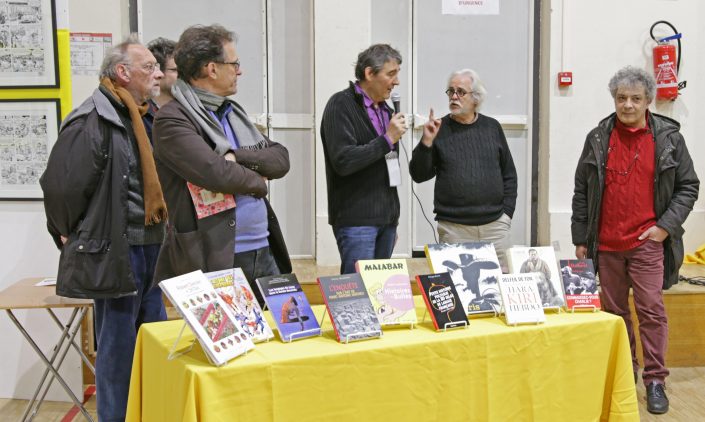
(641,269)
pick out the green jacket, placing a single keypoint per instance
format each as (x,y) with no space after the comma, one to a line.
(675,189)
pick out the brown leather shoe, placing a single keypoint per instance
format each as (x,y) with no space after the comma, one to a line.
(656,400)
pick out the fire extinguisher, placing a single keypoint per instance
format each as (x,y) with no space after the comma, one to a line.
(666,64)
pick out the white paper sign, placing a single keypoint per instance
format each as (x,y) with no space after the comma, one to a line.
(47,282)
(470,7)
(87,52)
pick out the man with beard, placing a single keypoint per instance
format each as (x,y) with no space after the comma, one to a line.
(476,182)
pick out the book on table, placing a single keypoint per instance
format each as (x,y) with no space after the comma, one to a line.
(474,268)
(521,299)
(232,286)
(541,260)
(211,319)
(289,307)
(442,300)
(389,288)
(349,307)
(580,284)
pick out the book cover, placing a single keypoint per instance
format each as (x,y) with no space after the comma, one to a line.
(387,283)
(211,320)
(520,295)
(289,307)
(349,307)
(542,260)
(208,203)
(442,300)
(233,288)
(474,268)
(579,283)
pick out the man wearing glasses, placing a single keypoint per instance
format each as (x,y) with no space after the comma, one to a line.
(635,185)
(163,51)
(476,182)
(208,153)
(106,212)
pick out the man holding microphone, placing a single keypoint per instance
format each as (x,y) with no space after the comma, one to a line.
(360,134)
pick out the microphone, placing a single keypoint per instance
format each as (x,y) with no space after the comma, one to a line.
(396,98)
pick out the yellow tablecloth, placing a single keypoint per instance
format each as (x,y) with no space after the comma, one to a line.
(574,367)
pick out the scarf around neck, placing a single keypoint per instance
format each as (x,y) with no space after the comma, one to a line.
(155,210)
(199,103)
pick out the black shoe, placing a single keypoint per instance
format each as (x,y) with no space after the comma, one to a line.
(656,400)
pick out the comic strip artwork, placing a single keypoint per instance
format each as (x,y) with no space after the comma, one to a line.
(28,44)
(28,130)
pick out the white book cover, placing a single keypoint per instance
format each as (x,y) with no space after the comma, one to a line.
(475,270)
(210,318)
(541,260)
(520,295)
(232,286)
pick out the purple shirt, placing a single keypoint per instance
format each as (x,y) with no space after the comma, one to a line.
(379,116)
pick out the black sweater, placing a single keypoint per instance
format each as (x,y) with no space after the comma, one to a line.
(358,183)
(475,176)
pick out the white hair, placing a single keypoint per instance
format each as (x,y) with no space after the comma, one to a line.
(477,89)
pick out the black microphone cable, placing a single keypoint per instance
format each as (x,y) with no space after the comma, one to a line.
(413,192)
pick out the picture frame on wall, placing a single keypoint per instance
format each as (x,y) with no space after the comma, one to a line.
(28,44)
(28,130)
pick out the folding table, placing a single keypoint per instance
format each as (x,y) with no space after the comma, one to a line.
(25,295)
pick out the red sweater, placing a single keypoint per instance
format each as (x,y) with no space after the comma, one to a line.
(628,198)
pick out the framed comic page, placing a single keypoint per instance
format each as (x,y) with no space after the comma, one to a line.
(28,48)
(28,129)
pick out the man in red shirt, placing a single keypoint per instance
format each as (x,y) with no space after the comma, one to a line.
(634,187)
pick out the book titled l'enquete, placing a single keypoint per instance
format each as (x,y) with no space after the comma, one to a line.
(350,308)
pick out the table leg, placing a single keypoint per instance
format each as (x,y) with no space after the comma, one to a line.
(56,349)
(83,356)
(70,338)
(48,363)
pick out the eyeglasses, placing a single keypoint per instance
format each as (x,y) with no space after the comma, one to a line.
(459,92)
(235,64)
(149,67)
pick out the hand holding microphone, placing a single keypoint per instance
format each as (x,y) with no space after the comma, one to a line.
(397,124)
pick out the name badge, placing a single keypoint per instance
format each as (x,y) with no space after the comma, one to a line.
(393,168)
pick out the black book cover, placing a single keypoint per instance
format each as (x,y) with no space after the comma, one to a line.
(442,300)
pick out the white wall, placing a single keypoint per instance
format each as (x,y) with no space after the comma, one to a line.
(28,251)
(334,58)
(598,38)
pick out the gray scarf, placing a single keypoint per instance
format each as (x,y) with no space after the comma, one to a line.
(199,102)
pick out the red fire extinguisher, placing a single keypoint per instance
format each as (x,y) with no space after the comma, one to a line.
(666,65)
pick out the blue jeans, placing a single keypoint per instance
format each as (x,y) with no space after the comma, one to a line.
(255,264)
(364,242)
(116,324)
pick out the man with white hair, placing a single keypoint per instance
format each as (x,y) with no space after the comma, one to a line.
(476,182)
(106,211)
(634,187)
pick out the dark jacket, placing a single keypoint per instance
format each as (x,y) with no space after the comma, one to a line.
(675,189)
(184,153)
(85,199)
(476,181)
(356,171)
